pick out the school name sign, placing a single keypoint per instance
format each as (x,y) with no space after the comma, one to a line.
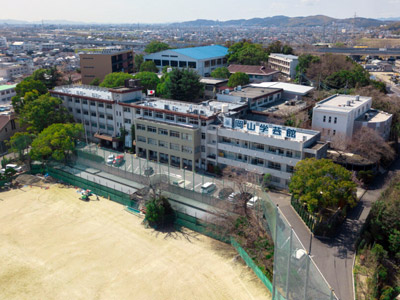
(261,128)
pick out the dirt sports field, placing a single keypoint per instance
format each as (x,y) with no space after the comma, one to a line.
(54,246)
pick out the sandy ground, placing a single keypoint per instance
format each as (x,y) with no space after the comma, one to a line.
(54,246)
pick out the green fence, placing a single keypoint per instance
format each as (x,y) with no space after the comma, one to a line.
(308,219)
(252,264)
(97,189)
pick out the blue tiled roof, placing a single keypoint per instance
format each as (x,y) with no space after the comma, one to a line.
(203,52)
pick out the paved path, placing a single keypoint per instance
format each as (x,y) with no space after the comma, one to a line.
(334,256)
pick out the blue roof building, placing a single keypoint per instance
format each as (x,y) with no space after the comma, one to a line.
(201,59)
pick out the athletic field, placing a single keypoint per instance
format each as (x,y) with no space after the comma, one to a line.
(55,246)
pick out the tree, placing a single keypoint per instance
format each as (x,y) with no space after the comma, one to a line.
(132,135)
(116,79)
(367,143)
(159,211)
(246,53)
(182,85)
(148,66)
(56,141)
(48,77)
(95,82)
(322,184)
(221,72)
(238,78)
(138,59)
(278,47)
(43,112)
(19,142)
(148,80)
(27,90)
(156,46)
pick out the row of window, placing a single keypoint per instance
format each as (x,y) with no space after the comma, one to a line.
(169,117)
(329,119)
(94,125)
(164,144)
(163,131)
(174,63)
(92,103)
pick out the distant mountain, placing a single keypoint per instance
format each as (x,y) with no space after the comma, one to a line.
(389,19)
(283,21)
(46,22)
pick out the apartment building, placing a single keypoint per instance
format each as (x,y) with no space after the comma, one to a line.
(201,59)
(10,70)
(342,115)
(190,136)
(286,64)
(97,64)
(6,93)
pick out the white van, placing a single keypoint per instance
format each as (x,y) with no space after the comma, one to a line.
(13,166)
(207,188)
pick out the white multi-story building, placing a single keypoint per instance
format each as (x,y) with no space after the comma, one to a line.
(13,70)
(201,59)
(6,93)
(3,42)
(340,115)
(286,64)
(191,136)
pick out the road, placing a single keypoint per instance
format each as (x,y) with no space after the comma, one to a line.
(334,256)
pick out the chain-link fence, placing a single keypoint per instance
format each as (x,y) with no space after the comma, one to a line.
(296,276)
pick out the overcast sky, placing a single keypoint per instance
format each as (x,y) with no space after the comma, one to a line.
(160,11)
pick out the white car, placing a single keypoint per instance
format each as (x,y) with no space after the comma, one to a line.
(232,196)
(110,159)
(252,202)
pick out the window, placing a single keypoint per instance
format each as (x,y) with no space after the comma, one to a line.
(203,136)
(138,111)
(324,119)
(109,106)
(192,64)
(186,136)
(110,117)
(151,141)
(207,64)
(77,101)
(84,101)
(162,131)
(335,120)
(140,127)
(157,62)
(203,148)
(92,103)
(100,104)
(165,63)
(151,129)
(159,115)
(163,144)
(174,63)
(69,99)
(127,109)
(170,117)
(203,123)
(69,109)
(334,131)
(78,111)
(174,147)
(193,121)
(273,165)
(182,64)
(289,153)
(174,134)
(85,112)
(127,121)
(94,124)
(102,126)
(187,149)
(290,169)
(110,127)
(147,113)
(101,116)
(181,119)
(141,139)
(93,114)
(330,119)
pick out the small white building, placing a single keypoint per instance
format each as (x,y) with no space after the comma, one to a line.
(286,64)
(6,93)
(201,59)
(290,90)
(343,114)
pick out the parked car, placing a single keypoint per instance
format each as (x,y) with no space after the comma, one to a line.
(118,160)
(110,159)
(232,197)
(14,166)
(252,202)
(179,182)
(208,187)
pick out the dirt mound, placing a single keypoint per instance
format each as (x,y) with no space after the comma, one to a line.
(27,179)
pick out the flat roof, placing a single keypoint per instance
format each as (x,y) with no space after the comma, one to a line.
(284,56)
(85,90)
(206,108)
(253,70)
(7,87)
(344,103)
(287,87)
(210,80)
(203,52)
(252,92)
(374,116)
